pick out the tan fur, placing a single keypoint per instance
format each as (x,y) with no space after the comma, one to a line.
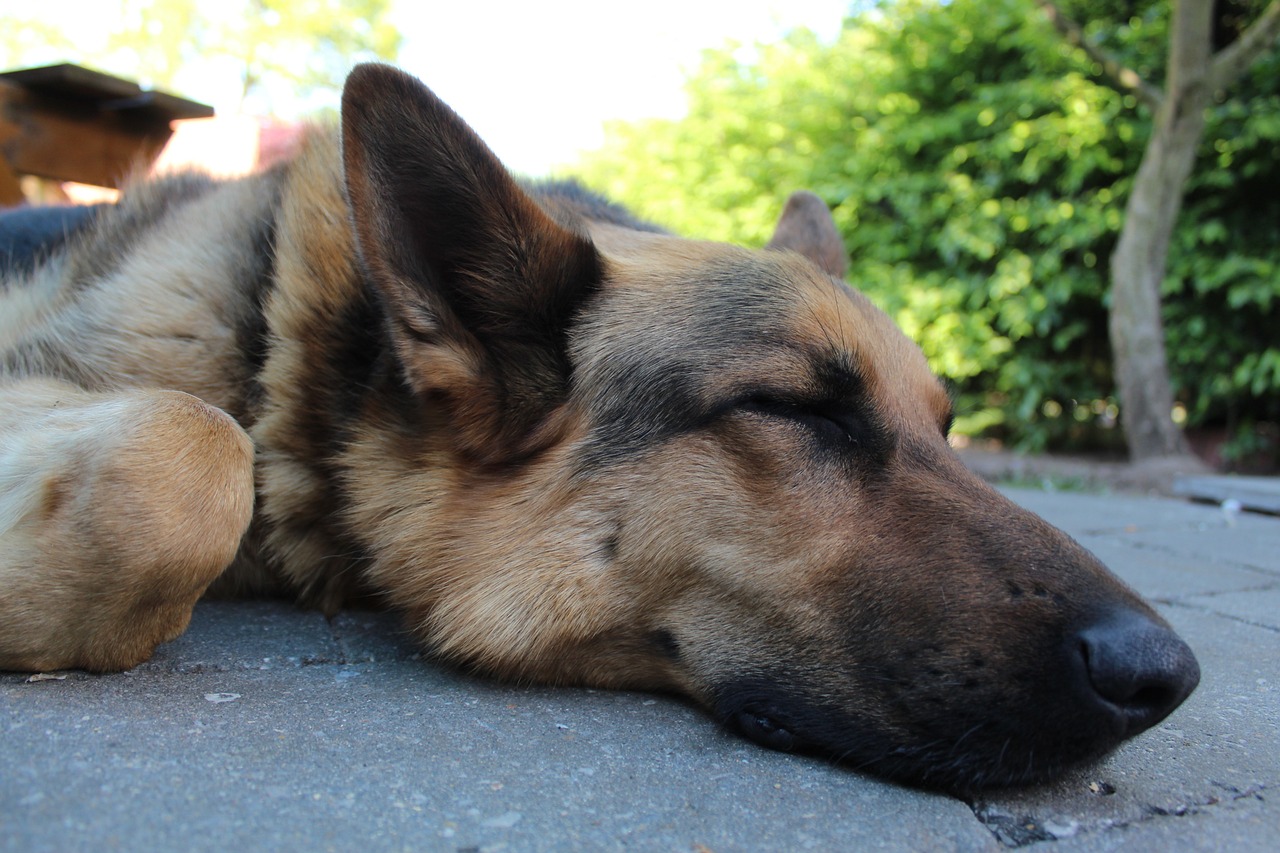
(116,512)
(316,274)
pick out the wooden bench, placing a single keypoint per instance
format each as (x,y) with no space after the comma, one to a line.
(68,123)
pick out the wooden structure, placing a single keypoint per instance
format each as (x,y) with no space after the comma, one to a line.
(67,123)
(1260,494)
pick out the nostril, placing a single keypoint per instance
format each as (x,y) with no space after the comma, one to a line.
(1122,678)
(1138,667)
(1153,698)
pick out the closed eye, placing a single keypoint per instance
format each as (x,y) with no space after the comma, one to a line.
(833,424)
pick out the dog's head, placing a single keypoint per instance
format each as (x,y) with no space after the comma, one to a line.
(633,460)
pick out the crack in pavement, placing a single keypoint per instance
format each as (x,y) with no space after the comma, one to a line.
(1187,604)
(1022,830)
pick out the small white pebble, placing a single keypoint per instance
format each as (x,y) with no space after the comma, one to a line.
(221,697)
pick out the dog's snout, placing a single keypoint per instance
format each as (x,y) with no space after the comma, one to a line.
(1137,670)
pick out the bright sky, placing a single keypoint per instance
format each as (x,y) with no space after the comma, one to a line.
(536,78)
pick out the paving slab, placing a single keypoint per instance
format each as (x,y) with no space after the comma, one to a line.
(269,727)
(1160,574)
(304,749)
(1245,823)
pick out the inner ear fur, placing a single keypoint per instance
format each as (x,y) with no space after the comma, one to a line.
(480,284)
(806,227)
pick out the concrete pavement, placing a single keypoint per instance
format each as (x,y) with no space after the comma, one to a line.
(266,727)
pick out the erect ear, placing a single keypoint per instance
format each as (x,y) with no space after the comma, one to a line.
(806,227)
(480,285)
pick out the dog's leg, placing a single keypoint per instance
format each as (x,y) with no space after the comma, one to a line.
(116,512)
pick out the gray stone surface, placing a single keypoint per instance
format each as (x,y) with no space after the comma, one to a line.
(267,727)
(1260,493)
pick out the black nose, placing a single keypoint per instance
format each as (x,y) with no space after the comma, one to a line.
(1138,669)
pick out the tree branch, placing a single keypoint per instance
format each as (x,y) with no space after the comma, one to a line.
(1121,77)
(1234,59)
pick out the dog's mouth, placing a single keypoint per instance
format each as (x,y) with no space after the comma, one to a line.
(764,729)
(941,763)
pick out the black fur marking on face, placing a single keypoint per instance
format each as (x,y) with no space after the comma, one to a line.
(836,413)
(666,644)
(609,547)
(635,419)
(666,375)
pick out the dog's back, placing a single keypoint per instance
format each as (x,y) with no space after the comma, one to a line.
(159,290)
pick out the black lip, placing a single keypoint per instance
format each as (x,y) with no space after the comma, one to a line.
(980,751)
(763,729)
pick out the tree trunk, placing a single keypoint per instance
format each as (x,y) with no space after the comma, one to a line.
(1137,270)
(1139,262)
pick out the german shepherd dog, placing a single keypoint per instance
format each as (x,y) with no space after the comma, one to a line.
(568,447)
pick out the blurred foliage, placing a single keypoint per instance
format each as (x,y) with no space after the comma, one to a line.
(279,51)
(977,167)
